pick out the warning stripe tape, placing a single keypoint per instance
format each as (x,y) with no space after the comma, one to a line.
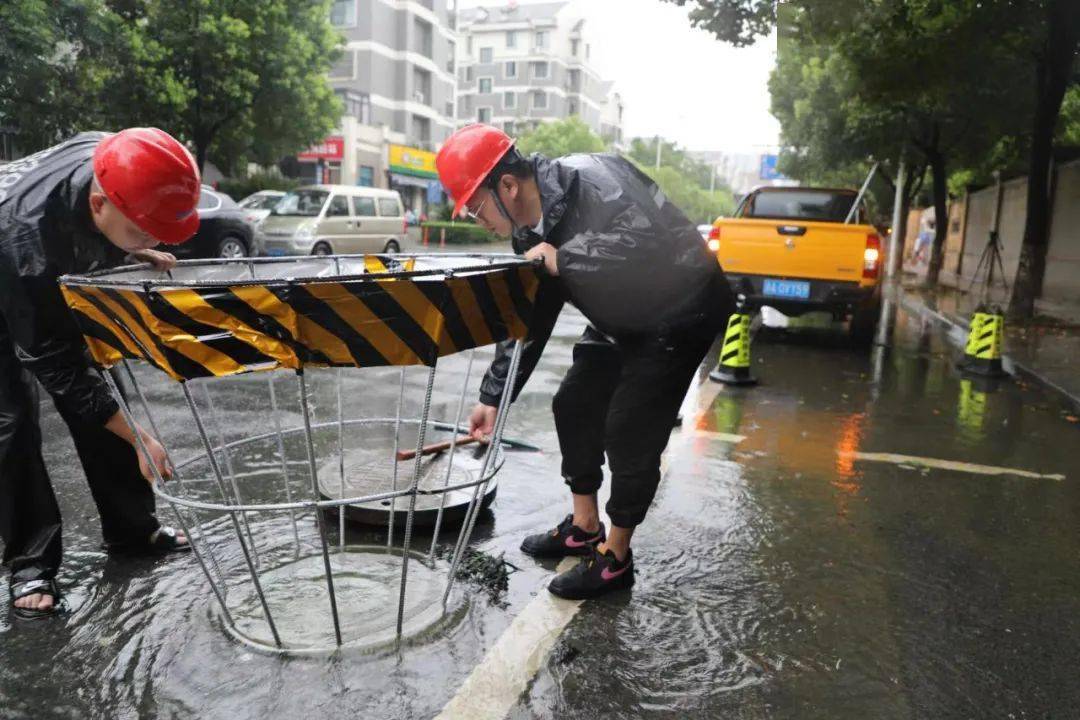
(200,332)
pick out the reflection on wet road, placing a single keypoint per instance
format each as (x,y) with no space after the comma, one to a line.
(786,569)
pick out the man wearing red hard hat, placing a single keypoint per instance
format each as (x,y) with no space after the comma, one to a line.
(614,247)
(82,205)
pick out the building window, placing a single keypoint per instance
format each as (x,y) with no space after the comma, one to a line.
(541,39)
(421,85)
(540,100)
(343,68)
(572,108)
(511,69)
(588,48)
(508,128)
(511,39)
(468,46)
(343,13)
(485,56)
(484,86)
(357,105)
(366,177)
(574,47)
(540,71)
(421,130)
(468,74)
(450,109)
(573,81)
(450,59)
(422,35)
(483,115)
(509,100)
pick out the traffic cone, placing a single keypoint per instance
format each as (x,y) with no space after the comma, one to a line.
(982,354)
(734,367)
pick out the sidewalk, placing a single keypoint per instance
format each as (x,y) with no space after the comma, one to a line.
(1047,349)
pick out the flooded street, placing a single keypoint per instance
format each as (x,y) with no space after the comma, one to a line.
(808,555)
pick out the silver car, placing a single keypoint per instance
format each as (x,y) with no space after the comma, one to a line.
(333,220)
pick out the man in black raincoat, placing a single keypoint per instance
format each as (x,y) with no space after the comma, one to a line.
(636,267)
(76,207)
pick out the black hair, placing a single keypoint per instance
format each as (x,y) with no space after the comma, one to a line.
(511,163)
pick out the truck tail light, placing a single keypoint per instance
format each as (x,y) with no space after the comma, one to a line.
(714,239)
(872,256)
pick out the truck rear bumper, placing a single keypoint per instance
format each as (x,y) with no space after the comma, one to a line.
(839,298)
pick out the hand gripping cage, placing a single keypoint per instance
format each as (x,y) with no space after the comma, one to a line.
(211,325)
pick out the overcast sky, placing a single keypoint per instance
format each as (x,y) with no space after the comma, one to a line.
(675,81)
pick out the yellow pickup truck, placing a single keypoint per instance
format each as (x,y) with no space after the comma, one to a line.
(803,249)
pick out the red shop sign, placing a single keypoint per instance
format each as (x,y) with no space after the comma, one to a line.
(332,148)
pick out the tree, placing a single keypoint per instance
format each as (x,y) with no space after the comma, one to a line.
(561,137)
(988,51)
(696,202)
(50,68)
(250,75)
(1054,40)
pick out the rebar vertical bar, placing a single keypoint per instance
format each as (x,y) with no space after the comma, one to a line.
(481,490)
(421,433)
(284,460)
(453,450)
(341,456)
(229,467)
(232,513)
(315,495)
(394,460)
(130,420)
(176,473)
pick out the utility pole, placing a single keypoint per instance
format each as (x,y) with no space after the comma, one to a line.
(894,241)
(657,152)
(712,179)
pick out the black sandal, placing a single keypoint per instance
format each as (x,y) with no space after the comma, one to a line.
(162,542)
(41,586)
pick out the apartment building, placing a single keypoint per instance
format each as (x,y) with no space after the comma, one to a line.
(520,65)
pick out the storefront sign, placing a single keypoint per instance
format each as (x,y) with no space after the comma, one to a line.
(332,148)
(412,161)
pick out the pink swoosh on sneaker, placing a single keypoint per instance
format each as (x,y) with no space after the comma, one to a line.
(572,543)
(606,574)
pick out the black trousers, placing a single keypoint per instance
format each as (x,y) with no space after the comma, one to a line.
(30,523)
(622,399)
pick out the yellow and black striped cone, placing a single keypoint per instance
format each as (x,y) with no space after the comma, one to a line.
(982,354)
(734,367)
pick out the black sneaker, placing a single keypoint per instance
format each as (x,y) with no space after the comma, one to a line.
(566,539)
(594,576)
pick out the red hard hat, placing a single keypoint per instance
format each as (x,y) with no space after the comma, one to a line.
(466,159)
(152,179)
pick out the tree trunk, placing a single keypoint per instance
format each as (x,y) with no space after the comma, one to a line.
(1053,68)
(941,215)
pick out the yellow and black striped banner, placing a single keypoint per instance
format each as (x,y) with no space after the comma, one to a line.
(226,330)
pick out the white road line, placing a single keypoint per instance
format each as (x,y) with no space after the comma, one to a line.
(496,684)
(948,465)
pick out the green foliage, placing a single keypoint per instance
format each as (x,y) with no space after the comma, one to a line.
(739,22)
(240,188)
(1069,123)
(458,233)
(561,137)
(683,179)
(239,79)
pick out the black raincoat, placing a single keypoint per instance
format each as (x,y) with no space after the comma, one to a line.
(628,259)
(46,230)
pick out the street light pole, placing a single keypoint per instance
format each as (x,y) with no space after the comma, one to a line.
(894,241)
(657,152)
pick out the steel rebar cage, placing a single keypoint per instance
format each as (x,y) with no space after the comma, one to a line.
(258,507)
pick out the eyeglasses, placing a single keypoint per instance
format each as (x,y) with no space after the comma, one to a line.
(474,215)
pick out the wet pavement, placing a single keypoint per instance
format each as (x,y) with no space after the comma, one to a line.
(801,560)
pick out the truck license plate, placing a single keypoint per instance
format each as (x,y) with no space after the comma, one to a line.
(787,289)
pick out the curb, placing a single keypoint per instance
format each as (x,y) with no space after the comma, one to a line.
(916,305)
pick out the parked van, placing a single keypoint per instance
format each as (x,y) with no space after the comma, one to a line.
(333,220)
